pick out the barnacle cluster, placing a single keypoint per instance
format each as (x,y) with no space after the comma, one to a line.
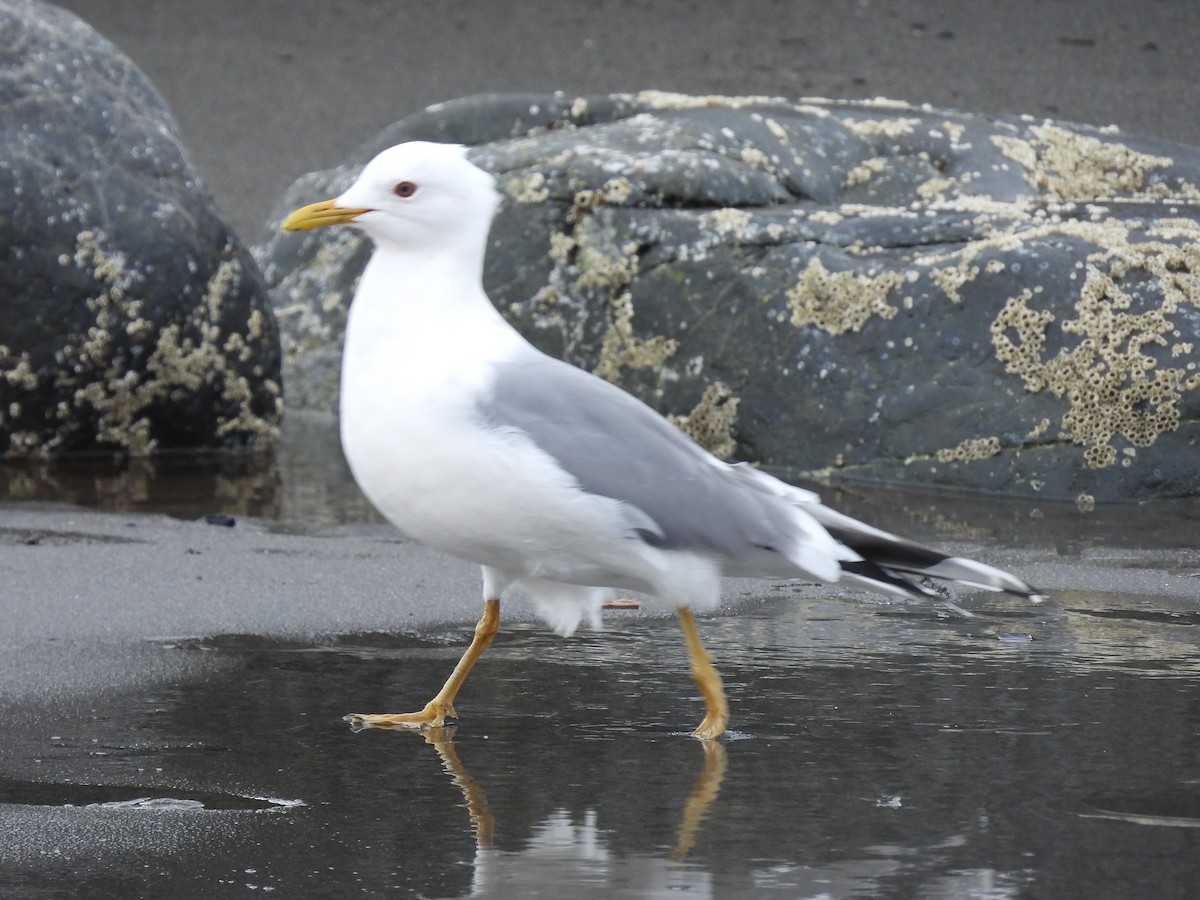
(710,423)
(970,450)
(1112,376)
(623,349)
(1063,165)
(179,357)
(838,302)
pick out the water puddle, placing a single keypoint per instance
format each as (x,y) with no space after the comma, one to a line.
(876,749)
(1176,810)
(137,797)
(1186,618)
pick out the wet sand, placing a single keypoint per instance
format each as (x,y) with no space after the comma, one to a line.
(173,687)
(267,91)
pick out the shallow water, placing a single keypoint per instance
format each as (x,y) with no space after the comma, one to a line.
(877,752)
(877,749)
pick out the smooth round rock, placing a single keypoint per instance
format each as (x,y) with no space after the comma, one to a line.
(134,320)
(856,291)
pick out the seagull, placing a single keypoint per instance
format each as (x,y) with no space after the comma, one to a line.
(472,441)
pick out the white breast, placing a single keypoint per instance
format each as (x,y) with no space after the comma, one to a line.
(412,375)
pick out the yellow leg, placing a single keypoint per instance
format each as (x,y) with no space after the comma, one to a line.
(442,705)
(705,674)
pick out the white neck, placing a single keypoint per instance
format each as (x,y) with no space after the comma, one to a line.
(420,330)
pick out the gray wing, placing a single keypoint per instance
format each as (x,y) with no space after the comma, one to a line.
(616,446)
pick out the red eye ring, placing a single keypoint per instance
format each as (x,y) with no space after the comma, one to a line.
(404,189)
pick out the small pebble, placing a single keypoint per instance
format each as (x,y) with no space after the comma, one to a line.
(622,603)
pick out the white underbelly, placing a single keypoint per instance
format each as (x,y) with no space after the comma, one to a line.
(490,497)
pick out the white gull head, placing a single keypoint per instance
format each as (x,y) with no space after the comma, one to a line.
(418,197)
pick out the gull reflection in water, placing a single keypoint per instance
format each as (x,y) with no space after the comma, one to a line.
(482,823)
(579,848)
(570,853)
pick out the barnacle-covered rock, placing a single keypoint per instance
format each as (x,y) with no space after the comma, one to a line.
(134,320)
(864,291)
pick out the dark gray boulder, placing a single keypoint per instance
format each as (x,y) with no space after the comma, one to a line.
(869,292)
(134,320)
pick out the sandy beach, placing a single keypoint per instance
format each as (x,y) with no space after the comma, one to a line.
(268,91)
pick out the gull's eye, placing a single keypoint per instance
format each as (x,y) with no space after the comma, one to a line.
(404,189)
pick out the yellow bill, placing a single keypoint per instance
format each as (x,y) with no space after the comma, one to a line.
(318,215)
